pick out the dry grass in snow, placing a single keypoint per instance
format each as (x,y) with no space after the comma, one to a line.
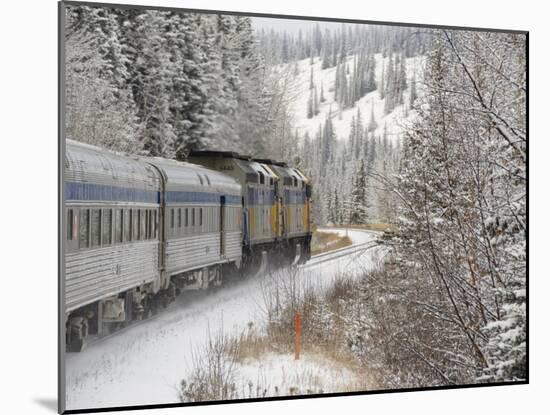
(328,241)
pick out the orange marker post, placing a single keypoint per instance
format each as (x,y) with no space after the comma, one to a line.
(297,338)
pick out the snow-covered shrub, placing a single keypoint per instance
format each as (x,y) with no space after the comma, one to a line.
(214,369)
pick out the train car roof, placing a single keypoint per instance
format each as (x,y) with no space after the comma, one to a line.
(302,175)
(219,153)
(89,163)
(270,161)
(263,169)
(251,167)
(86,163)
(288,174)
(182,175)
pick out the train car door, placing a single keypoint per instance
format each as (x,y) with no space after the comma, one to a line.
(246,238)
(222,226)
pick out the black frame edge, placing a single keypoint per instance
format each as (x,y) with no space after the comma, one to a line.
(61,225)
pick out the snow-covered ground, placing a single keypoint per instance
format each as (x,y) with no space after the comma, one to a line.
(145,363)
(395,120)
(279,374)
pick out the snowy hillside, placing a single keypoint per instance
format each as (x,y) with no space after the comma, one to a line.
(395,120)
(349,119)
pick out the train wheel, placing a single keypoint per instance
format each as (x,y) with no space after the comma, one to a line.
(77,331)
(147,308)
(147,312)
(76,345)
(155,305)
(216,280)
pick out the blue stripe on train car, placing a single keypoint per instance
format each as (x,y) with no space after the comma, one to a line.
(293,197)
(92,191)
(200,197)
(101,192)
(260,196)
(233,200)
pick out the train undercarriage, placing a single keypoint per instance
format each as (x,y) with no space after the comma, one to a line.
(104,317)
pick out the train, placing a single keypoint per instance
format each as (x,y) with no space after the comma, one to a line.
(141,230)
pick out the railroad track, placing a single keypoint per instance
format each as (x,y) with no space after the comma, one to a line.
(338,253)
(359,248)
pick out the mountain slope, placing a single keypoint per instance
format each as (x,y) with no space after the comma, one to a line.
(396,120)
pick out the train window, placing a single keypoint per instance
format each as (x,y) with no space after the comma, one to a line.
(127,226)
(107,226)
(155,224)
(145,224)
(213,219)
(135,225)
(186,217)
(148,225)
(142,224)
(95,227)
(152,224)
(118,226)
(83,230)
(262,179)
(193,217)
(200,217)
(179,217)
(70,216)
(171,218)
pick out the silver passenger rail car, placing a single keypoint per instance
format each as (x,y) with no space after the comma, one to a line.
(112,241)
(202,230)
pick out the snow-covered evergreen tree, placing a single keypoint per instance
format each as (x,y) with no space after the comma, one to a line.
(163,83)
(381,84)
(462,214)
(373,125)
(100,108)
(413,93)
(358,203)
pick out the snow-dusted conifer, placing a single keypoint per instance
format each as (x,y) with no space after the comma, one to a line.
(373,125)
